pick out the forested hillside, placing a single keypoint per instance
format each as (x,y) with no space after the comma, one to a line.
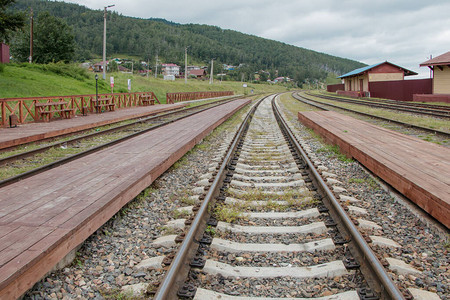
(146,38)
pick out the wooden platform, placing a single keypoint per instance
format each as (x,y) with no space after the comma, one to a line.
(44,217)
(31,132)
(419,170)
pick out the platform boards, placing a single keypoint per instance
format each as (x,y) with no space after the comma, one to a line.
(31,132)
(418,169)
(44,217)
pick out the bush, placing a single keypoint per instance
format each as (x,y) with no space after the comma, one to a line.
(60,68)
(2,67)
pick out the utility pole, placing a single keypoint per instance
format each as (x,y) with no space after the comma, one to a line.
(104,41)
(148,67)
(185,65)
(211,80)
(31,37)
(156,66)
(431,70)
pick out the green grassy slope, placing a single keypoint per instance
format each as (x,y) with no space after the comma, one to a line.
(24,80)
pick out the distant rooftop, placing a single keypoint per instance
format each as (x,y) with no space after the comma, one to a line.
(443,59)
(364,69)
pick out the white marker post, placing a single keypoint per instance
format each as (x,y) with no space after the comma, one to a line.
(112,84)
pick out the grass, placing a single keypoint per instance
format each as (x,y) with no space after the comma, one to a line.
(257,194)
(180,214)
(293,105)
(118,294)
(365,181)
(25,80)
(227,214)
(334,151)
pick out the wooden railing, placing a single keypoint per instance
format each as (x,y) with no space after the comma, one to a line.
(26,111)
(171,98)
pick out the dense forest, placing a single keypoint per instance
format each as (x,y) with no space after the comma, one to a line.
(146,38)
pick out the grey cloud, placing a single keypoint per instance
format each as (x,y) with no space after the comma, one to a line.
(405,32)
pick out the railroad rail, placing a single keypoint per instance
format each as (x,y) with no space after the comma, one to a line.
(322,105)
(266,160)
(400,102)
(138,127)
(441,112)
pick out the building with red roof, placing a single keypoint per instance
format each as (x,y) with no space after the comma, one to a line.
(440,67)
(359,79)
(171,69)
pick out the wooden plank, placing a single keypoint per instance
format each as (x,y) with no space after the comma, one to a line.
(31,132)
(79,207)
(418,169)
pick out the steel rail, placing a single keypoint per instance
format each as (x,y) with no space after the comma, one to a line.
(65,160)
(177,272)
(428,111)
(305,100)
(398,102)
(388,288)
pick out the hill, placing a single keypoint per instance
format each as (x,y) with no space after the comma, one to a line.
(146,38)
(33,80)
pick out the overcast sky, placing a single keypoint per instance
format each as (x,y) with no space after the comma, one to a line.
(404,32)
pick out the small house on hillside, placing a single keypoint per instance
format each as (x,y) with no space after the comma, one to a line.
(198,73)
(440,67)
(358,80)
(98,67)
(171,69)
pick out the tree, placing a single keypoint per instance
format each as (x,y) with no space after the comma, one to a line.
(53,41)
(9,22)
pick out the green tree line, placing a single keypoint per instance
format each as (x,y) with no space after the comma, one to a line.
(146,38)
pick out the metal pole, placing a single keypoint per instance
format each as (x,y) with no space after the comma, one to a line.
(185,65)
(96,93)
(104,41)
(211,80)
(31,37)
(156,66)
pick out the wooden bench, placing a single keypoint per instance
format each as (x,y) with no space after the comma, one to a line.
(46,110)
(147,100)
(103,102)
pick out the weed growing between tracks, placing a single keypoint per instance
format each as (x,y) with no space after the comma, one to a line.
(334,151)
(227,213)
(369,181)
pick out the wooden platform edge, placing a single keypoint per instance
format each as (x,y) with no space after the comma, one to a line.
(56,133)
(425,200)
(16,286)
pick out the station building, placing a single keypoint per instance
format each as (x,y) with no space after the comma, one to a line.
(440,67)
(357,82)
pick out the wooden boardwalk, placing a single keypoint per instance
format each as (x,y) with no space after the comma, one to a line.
(31,132)
(419,170)
(44,217)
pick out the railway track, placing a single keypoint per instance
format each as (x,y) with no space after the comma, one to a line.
(325,106)
(287,231)
(404,103)
(146,248)
(431,110)
(79,146)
